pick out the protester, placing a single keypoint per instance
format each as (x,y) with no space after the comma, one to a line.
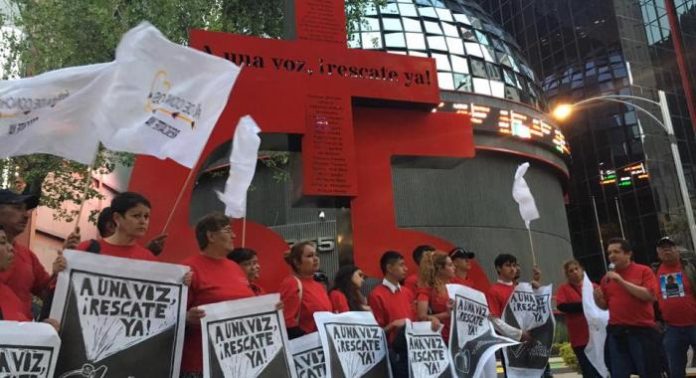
(215,279)
(629,292)
(302,296)
(411,281)
(345,295)
(249,262)
(677,303)
(569,301)
(11,307)
(432,299)
(499,294)
(25,275)
(462,265)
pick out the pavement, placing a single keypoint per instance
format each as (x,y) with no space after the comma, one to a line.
(559,369)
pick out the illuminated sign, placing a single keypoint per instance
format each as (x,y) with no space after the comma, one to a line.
(512,123)
(624,176)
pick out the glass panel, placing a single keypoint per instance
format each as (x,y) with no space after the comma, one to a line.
(369,24)
(394,40)
(408,10)
(468,34)
(478,68)
(390,8)
(412,25)
(392,23)
(509,77)
(512,94)
(462,82)
(428,12)
(444,80)
(459,64)
(370,10)
(399,52)
(473,49)
(415,41)
(475,22)
(418,53)
(442,62)
(481,86)
(354,41)
(482,38)
(455,45)
(450,29)
(488,53)
(462,18)
(432,27)
(497,89)
(445,14)
(493,71)
(372,40)
(437,43)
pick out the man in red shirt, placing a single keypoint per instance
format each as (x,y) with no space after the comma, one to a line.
(460,258)
(569,301)
(677,300)
(628,292)
(411,281)
(25,276)
(499,294)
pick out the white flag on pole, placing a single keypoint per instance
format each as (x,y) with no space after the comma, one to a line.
(523,196)
(245,152)
(597,320)
(165,98)
(54,112)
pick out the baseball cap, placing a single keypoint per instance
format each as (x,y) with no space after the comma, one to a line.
(665,241)
(11,198)
(461,253)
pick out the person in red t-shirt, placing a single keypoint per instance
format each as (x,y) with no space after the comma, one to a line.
(301,295)
(215,279)
(345,295)
(11,308)
(460,258)
(411,281)
(569,301)
(25,275)
(249,262)
(432,300)
(628,292)
(677,301)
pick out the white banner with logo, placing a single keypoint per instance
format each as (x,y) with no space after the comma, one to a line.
(530,310)
(354,345)
(28,350)
(119,317)
(308,356)
(473,340)
(245,338)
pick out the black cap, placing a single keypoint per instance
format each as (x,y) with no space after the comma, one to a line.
(461,253)
(8,197)
(666,241)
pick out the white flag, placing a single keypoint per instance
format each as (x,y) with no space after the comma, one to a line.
(165,98)
(245,152)
(523,197)
(597,320)
(53,113)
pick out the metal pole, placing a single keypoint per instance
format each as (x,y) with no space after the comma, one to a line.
(618,211)
(667,122)
(599,232)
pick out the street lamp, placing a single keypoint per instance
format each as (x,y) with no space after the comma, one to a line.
(563,111)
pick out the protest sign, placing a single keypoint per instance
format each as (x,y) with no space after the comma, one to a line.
(119,317)
(166,98)
(54,112)
(354,345)
(308,356)
(473,340)
(597,320)
(245,338)
(529,310)
(28,350)
(428,355)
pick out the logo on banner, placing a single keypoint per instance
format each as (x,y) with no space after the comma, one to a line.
(245,346)
(359,347)
(168,109)
(24,362)
(310,364)
(116,314)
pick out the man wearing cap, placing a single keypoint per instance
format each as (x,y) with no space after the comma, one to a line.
(460,258)
(25,276)
(677,301)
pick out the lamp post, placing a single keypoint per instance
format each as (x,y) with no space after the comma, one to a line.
(563,111)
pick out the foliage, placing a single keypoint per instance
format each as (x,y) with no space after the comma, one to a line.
(63,33)
(568,356)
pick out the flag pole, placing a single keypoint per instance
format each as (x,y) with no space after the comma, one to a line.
(531,244)
(243,232)
(178,198)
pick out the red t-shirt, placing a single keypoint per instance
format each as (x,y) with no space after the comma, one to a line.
(498,296)
(437,301)
(624,308)
(676,297)
(314,299)
(388,307)
(258,290)
(339,302)
(213,280)
(578,330)
(11,307)
(135,251)
(463,281)
(26,276)
(411,282)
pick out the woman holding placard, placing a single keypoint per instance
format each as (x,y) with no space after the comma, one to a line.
(432,300)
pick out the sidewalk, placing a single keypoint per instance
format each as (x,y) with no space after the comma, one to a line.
(559,369)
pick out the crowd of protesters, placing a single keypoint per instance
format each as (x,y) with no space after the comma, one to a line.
(652,311)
